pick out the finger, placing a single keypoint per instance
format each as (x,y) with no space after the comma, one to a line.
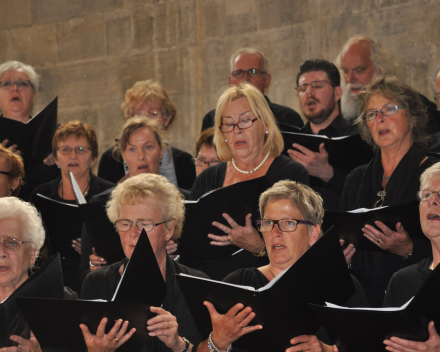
(394,347)
(341,242)
(86,333)
(127,336)
(401,229)
(407,344)
(245,322)
(219,240)
(249,329)
(5,142)
(373,239)
(243,315)
(248,220)
(94,251)
(297,156)
(212,311)
(234,310)
(302,149)
(335,348)
(100,332)
(322,149)
(432,330)
(385,229)
(121,332)
(231,221)
(21,341)
(222,227)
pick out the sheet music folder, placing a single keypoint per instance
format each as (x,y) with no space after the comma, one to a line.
(348,225)
(346,152)
(237,200)
(45,282)
(55,323)
(34,138)
(283,308)
(365,330)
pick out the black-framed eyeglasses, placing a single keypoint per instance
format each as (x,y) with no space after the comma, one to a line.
(66,150)
(9,85)
(12,244)
(387,110)
(425,194)
(124,225)
(252,73)
(243,124)
(315,85)
(5,173)
(201,162)
(285,225)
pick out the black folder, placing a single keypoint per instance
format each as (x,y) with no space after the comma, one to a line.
(346,152)
(55,323)
(365,330)
(45,282)
(102,233)
(348,225)
(236,200)
(34,138)
(283,309)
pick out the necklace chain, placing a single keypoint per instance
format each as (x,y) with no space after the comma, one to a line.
(84,192)
(253,170)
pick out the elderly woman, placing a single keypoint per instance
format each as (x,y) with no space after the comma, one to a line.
(393,121)
(152,203)
(11,173)
(206,152)
(250,143)
(151,99)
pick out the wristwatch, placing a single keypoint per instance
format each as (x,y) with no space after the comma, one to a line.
(186,345)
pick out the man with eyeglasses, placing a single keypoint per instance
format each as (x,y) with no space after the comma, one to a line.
(319,91)
(251,65)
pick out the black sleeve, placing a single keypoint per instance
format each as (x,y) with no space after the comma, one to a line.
(284,168)
(349,192)
(389,300)
(359,299)
(86,251)
(185,169)
(109,168)
(336,183)
(208,120)
(91,287)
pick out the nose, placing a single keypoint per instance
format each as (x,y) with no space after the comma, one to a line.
(276,231)
(134,232)
(350,77)
(434,200)
(141,154)
(3,253)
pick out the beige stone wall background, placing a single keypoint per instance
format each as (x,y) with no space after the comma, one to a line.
(89,52)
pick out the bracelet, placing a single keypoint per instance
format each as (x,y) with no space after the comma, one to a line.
(263,252)
(186,345)
(409,255)
(213,348)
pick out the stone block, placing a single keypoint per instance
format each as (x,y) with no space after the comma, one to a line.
(135,3)
(56,10)
(81,38)
(36,45)
(5,45)
(212,18)
(15,13)
(109,124)
(143,26)
(345,7)
(170,69)
(240,17)
(136,68)
(103,5)
(118,35)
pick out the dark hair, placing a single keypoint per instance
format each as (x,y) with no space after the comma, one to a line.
(320,65)
(206,137)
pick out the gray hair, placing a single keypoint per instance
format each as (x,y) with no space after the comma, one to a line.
(28,69)
(250,51)
(27,217)
(429,174)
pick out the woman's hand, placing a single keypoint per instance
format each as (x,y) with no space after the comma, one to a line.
(24,345)
(76,244)
(348,252)
(308,343)
(171,247)
(102,342)
(229,327)
(245,237)
(397,242)
(396,344)
(12,148)
(49,160)
(165,327)
(95,261)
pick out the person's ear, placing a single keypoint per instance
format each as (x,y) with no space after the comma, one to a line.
(167,121)
(338,93)
(314,234)
(268,79)
(170,232)
(14,183)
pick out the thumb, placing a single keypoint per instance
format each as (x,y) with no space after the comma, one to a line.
(248,220)
(212,311)
(341,242)
(322,149)
(94,251)
(431,329)
(85,331)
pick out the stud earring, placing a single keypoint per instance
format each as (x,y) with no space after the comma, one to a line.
(226,140)
(267,132)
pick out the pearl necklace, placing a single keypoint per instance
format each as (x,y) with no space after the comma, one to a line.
(252,171)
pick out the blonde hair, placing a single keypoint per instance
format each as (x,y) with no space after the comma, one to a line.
(429,174)
(138,189)
(273,141)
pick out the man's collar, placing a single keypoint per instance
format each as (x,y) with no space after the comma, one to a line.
(338,124)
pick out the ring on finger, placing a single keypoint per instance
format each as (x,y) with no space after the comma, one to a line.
(90,262)
(378,240)
(116,339)
(168,325)
(240,325)
(229,238)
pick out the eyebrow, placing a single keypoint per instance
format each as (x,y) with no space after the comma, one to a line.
(230,117)
(385,105)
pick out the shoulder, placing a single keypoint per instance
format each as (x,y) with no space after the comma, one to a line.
(108,152)
(101,184)
(244,276)
(47,189)
(284,167)
(183,269)
(99,284)
(208,120)
(103,196)
(180,154)
(209,179)
(357,173)
(285,114)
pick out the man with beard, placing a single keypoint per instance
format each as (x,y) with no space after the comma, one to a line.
(319,90)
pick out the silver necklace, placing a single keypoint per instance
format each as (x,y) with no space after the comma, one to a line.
(386,177)
(255,169)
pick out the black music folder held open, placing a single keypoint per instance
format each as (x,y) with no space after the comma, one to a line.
(45,282)
(346,152)
(236,200)
(348,224)
(364,330)
(282,308)
(55,323)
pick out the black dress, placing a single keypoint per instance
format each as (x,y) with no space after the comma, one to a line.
(102,283)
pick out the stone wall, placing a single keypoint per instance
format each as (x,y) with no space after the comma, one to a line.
(89,52)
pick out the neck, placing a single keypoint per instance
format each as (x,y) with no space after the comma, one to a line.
(66,189)
(316,128)
(391,156)
(6,291)
(250,163)
(162,262)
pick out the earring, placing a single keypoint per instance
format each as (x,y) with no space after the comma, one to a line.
(267,132)
(226,140)
(160,162)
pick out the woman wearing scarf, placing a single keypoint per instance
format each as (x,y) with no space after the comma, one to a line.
(393,122)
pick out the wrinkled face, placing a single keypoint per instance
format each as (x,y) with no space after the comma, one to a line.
(246,62)
(143,152)
(16,103)
(243,143)
(148,210)
(357,67)
(5,183)
(317,104)
(78,164)
(14,265)
(285,248)
(430,210)
(388,131)
(207,154)
(153,109)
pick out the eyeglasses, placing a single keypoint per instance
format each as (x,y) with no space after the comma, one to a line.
(12,244)
(9,85)
(425,194)
(252,73)
(5,173)
(201,162)
(387,110)
(124,225)
(66,150)
(155,114)
(285,225)
(243,124)
(315,85)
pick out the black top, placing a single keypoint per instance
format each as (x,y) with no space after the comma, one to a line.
(406,283)
(331,191)
(282,114)
(113,170)
(102,284)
